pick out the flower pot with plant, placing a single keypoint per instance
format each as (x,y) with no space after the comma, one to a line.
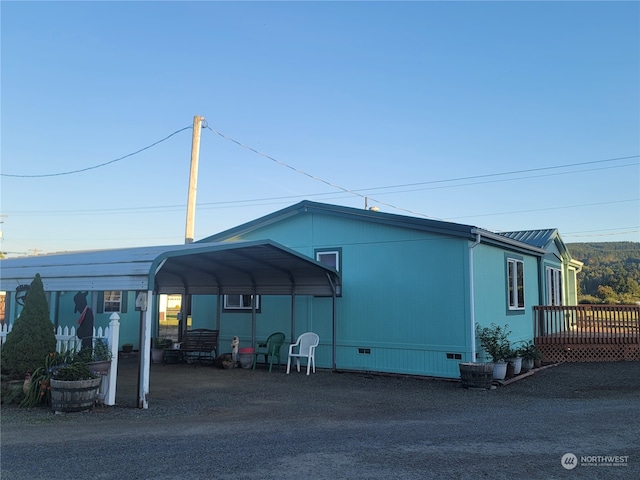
(97,358)
(74,387)
(494,340)
(514,358)
(157,348)
(39,390)
(530,355)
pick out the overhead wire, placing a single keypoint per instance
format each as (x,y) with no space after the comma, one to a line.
(355,192)
(318,179)
(70,172)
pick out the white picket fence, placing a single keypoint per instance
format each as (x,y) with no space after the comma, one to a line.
(66,338)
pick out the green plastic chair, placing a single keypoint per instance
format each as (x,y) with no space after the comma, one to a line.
(270,349)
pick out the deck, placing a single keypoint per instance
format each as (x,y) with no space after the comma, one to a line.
(588,333)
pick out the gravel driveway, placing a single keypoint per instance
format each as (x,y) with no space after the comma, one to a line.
(208,423)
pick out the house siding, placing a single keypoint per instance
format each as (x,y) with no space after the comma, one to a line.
(63,315)
(491,302)
(405,296)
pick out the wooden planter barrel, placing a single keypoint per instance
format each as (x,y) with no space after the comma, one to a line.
(476,375)
(74,396)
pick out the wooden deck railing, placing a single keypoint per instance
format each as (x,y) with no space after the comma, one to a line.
(587,324)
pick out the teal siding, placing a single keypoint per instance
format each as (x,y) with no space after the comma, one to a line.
(129,321)
(405,296)
(491,303)
(405,306)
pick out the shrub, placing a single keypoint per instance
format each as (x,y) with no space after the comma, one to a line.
(494,340)
(32,337)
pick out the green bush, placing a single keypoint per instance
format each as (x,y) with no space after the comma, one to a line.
(39,392)
(75,371)
(494,340)
(32,337)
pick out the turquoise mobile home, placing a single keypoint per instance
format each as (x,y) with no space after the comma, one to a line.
(411,290)
(385,292)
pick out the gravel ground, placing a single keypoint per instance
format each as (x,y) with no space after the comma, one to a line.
(208,423)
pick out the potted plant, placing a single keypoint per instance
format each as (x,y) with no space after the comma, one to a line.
(74,387)
(39,389)
(127,348)
(515,361)
(97,358)
(494,340)
(157,348)
(530,355)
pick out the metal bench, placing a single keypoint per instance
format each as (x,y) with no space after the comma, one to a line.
(199,344)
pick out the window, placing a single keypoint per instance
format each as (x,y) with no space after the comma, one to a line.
(240,302)
(515,283)
(112,301)
(554,286)
(330,258)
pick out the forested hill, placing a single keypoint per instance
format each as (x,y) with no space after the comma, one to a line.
(611,272)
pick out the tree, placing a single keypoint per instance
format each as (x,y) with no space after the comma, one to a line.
(607,294)
(608,264)
(32,337)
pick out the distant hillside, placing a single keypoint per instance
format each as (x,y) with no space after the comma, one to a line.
(611,272)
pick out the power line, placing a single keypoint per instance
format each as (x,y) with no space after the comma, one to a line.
(99,165)
(318,179)
(575,235)
(473,177)
(546,209)
(346,190)
(515,172)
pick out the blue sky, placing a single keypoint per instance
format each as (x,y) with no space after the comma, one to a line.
(503,115)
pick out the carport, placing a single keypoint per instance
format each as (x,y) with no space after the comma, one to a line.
(259,267)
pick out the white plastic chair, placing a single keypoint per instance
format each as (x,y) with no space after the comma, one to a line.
(305,346)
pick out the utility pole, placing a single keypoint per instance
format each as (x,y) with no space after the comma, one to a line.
(193,179)
(191,216)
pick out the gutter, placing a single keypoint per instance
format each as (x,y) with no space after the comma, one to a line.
(472,306)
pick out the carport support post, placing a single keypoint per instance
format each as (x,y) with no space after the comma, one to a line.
(293,315)
(114,339)
(253,317)
(145,353)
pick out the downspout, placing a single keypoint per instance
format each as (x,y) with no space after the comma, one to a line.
(472,306)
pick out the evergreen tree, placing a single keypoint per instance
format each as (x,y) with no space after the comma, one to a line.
(32,337)
(611,271)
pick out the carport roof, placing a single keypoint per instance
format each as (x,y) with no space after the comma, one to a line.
(262,266)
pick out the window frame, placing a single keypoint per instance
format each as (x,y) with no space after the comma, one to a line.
(240,308)
(555,287)
(106,299)
(515,284)
(325,251)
